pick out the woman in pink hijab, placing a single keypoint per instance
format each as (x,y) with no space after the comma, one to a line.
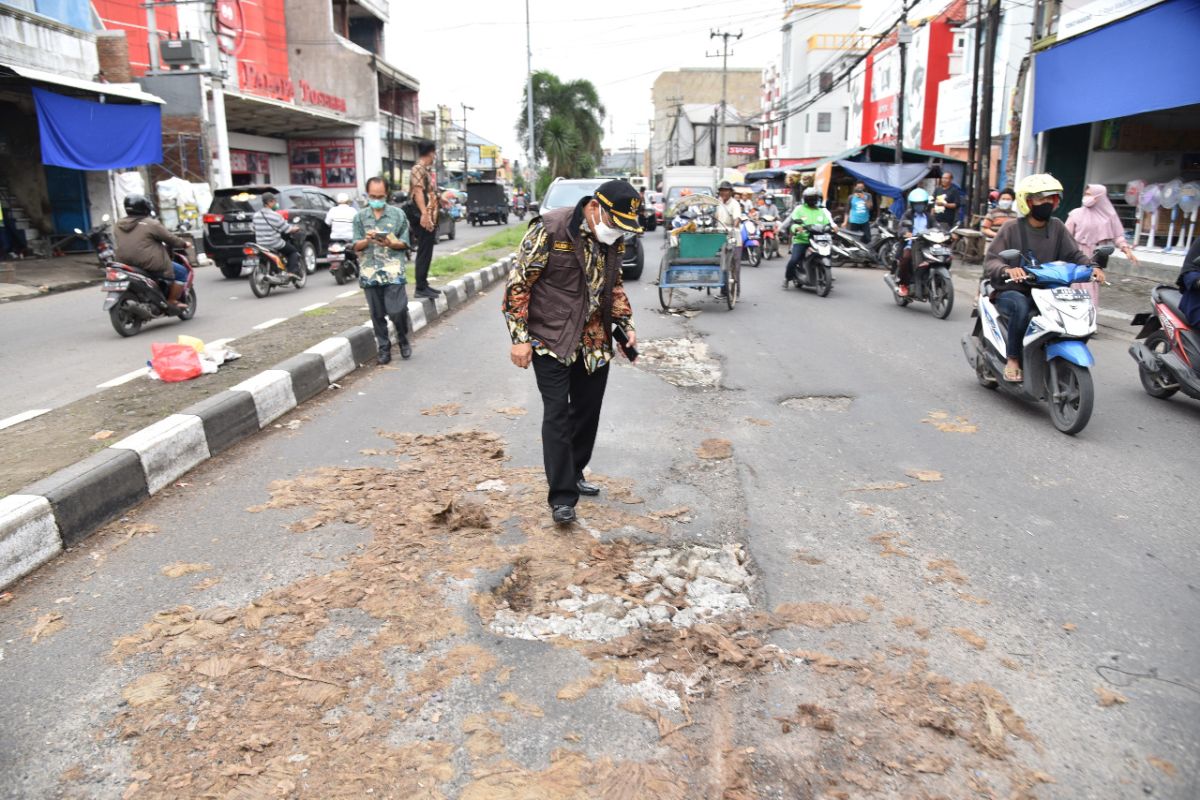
(1094,224)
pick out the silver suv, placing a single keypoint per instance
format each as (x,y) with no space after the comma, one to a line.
(567,192)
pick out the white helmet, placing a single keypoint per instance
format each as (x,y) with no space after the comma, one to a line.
(343,198)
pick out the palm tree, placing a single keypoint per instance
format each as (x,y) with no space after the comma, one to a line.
(566,120)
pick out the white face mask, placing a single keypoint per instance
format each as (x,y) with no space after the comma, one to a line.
(605,234)
(1004,205)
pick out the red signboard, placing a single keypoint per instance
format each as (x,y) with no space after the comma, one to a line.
(231,27)
(742,149)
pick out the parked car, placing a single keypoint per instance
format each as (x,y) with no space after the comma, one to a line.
(486,202)
(565,192)
(228,225)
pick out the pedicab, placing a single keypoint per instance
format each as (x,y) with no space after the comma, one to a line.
(699,256)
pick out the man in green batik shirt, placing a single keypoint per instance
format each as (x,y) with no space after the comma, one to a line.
(381,239)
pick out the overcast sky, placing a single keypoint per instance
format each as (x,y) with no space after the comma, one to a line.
(473,52)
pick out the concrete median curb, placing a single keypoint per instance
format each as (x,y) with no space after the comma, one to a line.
(59,511)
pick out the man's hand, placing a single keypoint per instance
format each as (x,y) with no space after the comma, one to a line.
(427,221)
(1016,274)
(521,354)
(1098,275)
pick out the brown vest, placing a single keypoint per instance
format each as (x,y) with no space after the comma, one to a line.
(558,300)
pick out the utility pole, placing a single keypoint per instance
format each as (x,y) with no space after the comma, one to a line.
(529,108)
(724,36)
(972,150)
(903,38)
(466,151)
(989,73)
(671,157)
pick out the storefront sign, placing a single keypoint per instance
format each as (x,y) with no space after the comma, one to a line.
(266,84)
(742,149)
(489,151)
(1080,16)
(312,96)
(231,28)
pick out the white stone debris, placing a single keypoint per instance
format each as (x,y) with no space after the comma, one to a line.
(682,362)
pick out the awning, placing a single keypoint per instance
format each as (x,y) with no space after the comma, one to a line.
(1146,62)
(84,134)
(262,116)
(128,91)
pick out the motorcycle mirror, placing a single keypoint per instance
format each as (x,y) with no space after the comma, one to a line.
(106,218)
(1010,256)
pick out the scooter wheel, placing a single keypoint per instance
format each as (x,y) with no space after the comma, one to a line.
(260,284)
(1155,383)
(123,322)
(190,300)
(824,280)
(1070,395)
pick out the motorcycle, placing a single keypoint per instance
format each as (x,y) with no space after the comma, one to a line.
(343,261)
(100,238)
(816,271)
(135,297)
(1167,349)
(1056,357)
(751,250)
(931,278)
(886,245)
(268,270)
(850,251)
(770,236)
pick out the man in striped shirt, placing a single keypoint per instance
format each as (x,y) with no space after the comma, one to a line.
(270,230)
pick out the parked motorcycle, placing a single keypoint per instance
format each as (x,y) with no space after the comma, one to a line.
(850,251)
(885,243)
(1167,349)
(343,261)
(135,297)
(751,247)
(1057,361)
(816,271)
(268,270)
(100,238)
(770,236)
(931,278)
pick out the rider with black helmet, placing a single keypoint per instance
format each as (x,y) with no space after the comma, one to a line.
(808,211)
(145,243)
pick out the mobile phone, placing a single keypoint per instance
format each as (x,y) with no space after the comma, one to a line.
(623,340)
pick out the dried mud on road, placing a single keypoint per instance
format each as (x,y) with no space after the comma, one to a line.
(472,650)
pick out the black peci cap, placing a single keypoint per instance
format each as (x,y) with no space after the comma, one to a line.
(620,199)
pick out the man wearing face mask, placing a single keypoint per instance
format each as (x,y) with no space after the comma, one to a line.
(381,237)
(562,299)
(1040,235)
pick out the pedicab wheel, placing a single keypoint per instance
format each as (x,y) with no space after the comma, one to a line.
(124,322)
(1070,394)
(941,296)
(259,283)
(189,300)
(824,280)
(1156,383)
(733,286)
(667,298)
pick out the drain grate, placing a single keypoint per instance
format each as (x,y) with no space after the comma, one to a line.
(818,402)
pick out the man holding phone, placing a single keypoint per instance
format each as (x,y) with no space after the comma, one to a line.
(381,239)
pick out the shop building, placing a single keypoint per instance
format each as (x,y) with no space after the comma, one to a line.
(1114,97)
(56,173)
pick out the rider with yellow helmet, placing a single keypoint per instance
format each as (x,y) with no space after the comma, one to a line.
(1037,234)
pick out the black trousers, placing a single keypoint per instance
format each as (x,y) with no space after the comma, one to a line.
(425,242)
(386,302)
(571,400)
(291,257)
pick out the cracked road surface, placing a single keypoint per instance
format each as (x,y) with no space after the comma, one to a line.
(825,564)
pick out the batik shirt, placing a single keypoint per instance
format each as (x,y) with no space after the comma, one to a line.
(595,348)
(380,265)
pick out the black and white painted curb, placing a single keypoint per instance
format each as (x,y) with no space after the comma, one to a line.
(58,512)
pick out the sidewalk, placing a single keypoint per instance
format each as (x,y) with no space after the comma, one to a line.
(34,277)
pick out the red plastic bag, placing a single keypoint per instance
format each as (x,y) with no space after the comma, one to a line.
(174,362)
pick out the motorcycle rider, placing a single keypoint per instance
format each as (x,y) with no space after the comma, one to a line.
(270,230)
(340,219)
(808,212)
(143,242)
(1040,235)
(917,219)
(1189,284)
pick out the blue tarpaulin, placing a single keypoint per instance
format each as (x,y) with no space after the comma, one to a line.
(1144,63)
(83,134)
(889,180)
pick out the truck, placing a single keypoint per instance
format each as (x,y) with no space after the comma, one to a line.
(678,182)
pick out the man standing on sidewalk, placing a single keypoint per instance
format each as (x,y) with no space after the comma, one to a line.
(423,190)
(563,297)
(381,237)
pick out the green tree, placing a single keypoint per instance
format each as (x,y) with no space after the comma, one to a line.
(567,124)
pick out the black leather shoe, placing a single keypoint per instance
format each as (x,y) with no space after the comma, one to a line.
(434,289)
(563,515)
(427,292)
(385,357)
(406,351)
(585,488)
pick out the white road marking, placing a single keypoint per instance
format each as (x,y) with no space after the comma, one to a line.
(314,306)
(126,378)
(17,419)
(262,326)
(350,293)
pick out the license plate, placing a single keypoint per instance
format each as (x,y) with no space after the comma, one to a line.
(239,226)
(336,257)
(114,286)
(250,261)
(1068,293)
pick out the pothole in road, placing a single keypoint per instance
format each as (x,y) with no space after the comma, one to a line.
(818,402)
(683,362)
(623,587)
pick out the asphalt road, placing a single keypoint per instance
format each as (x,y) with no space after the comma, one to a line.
(61,347)
(1045,569)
